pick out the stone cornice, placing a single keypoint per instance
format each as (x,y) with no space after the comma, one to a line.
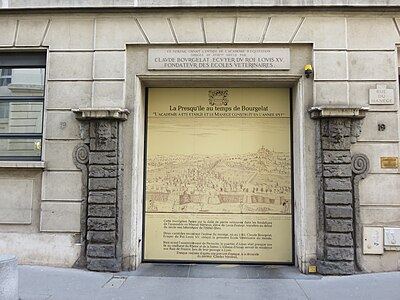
(357,112)
(86,114)
(21,4)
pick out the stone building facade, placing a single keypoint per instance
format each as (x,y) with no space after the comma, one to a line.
(79,202)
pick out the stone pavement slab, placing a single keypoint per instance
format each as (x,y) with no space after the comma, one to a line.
(377,286)
(202,282)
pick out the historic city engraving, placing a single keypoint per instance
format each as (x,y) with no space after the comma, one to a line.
(219,58)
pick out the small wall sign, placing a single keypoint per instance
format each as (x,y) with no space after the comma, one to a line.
(381,95)
(389,162)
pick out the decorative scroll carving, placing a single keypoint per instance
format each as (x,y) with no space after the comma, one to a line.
(360,164)
(80,157)
(360,167)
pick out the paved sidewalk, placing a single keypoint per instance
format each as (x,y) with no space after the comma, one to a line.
(202,282)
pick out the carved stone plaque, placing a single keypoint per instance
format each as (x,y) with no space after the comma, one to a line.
(381,95)
(219,59)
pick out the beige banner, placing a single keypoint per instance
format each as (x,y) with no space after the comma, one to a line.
(221,158)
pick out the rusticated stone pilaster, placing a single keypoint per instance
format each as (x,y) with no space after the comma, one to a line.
(338,203)
(101,173)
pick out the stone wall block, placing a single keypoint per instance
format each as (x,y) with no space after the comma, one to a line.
(96,250)
(340,212)
(343,170)
(102,184)
(107,237)
(101,224)
(60,66)
(339,225)
(336,157)
(109,64)
(331,143)
(338,197)
(109,145)
(103,264)
(103,158)
(60,216)
(336,128)
(340,253)
(335,267)
(102,211)
(102,197)
(339,239)
(103,171)
(362,65)
(337,184)
(331,65)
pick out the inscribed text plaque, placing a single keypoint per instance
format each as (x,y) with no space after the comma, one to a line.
(219,58)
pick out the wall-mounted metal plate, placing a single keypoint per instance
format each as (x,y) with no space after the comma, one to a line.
(389,162)
(392,237)
(373,240)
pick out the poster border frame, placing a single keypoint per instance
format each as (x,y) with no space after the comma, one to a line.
(166,261)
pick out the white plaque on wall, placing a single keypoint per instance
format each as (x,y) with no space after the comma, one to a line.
(381,95)
(219,59)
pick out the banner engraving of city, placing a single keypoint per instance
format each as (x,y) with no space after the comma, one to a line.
(218,175)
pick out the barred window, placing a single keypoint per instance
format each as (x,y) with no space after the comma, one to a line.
(22,78)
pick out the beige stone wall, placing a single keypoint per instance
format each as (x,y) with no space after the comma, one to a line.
(99,60)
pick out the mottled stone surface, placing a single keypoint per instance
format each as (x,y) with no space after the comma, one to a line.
(109,197)
(99,250)
(337,184)
(340,253)
(101,237)
(103,264)
(328,145)
(338,197)
(339,239)
(101,224)
(102,211)
(337,170)
(335,267)
(339,225)
(103,158)
(336,157)
(103,171)
(339,212)
(102,184)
